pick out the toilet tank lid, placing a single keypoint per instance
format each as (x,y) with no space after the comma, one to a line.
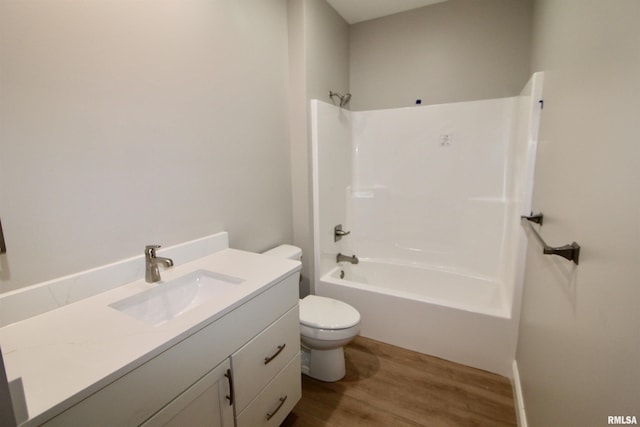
(285,251)
(327,313)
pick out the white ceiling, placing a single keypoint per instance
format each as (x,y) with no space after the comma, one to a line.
(362,10)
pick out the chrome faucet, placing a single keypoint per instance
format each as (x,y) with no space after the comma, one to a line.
(152,272)
(352,259)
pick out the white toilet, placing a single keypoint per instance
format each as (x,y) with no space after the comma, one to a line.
(326,326)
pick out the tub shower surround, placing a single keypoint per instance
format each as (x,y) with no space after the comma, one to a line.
(432,196)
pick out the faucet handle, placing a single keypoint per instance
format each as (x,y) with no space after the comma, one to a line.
(338,233)
(150,250)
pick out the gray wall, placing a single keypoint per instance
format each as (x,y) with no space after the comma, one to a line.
(327,50)
(319,62)
(459,50)
(126,123)
(578,346)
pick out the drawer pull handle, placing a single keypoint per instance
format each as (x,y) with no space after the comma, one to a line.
(271,414)
(231,395)
(269,359)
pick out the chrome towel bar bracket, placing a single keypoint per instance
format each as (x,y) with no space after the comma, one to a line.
(570,252)
(537,218)
(3,246)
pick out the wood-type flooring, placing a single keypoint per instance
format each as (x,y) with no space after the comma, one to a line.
(389,386)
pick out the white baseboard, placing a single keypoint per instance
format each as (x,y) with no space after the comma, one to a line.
(517,396)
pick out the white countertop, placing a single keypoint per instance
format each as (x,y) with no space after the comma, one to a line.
(64,355)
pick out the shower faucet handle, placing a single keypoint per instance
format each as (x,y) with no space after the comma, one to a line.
(338,233)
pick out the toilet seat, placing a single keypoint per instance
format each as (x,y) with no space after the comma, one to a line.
(323,313)
(329,334)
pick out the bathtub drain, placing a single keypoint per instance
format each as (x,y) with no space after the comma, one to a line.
(342,274)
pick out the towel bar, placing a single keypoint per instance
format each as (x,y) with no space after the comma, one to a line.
(570,252)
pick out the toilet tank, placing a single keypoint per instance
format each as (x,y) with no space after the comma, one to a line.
(285,251)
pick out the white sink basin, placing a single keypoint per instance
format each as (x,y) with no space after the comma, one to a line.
(175,297)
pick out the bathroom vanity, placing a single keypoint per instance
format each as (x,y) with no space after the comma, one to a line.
(232,358)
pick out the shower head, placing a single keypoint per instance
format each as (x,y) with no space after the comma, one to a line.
(332,94)
(344,99)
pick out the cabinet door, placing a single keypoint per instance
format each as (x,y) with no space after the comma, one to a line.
(203,404)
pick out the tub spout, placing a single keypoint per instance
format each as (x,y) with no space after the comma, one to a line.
(352,259)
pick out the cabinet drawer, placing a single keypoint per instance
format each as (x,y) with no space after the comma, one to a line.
(277,399)
(257,362)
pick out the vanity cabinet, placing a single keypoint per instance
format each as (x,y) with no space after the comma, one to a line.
(256,344)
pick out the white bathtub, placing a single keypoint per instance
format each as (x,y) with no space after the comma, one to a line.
(464,292)
(454,316)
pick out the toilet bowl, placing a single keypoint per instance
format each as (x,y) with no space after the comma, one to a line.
(326,326)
